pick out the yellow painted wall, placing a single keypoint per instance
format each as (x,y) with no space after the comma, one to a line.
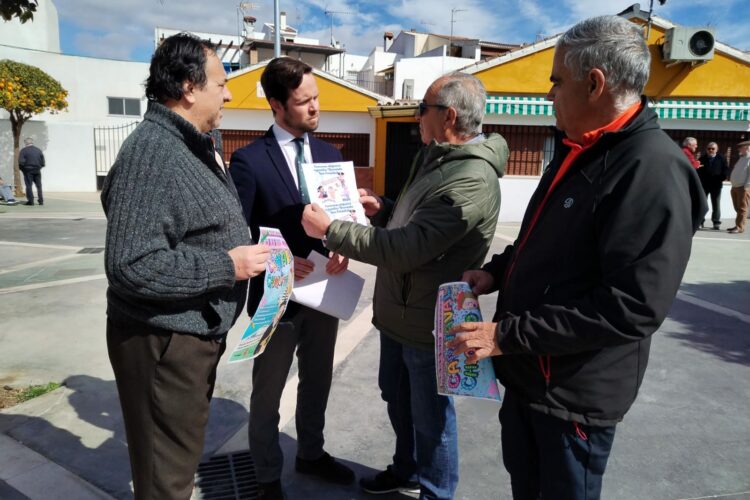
(525,75)
(721,78)
(333,96)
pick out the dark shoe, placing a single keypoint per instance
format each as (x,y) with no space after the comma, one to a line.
(733,228)
(717,226)
(29,203)
(12,203)
(326,468)
(270,491)
(41,202)
(387,482)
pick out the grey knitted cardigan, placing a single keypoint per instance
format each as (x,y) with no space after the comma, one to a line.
(172,215)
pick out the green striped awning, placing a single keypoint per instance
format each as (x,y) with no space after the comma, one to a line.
(532,106)
(703,110)
(666,109)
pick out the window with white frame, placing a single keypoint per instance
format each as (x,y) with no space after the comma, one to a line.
(124,106)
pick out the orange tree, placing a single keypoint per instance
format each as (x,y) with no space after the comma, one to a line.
(22,9)
(25,91)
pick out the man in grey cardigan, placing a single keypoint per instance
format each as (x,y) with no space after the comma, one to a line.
(178,257)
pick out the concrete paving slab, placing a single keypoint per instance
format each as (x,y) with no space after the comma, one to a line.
(686,436)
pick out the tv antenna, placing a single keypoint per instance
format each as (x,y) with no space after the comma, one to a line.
(331,13)
(453,21)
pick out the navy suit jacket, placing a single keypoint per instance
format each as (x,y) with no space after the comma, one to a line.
(270,198)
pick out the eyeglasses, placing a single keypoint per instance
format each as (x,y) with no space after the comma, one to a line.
(711,149)
(422,108)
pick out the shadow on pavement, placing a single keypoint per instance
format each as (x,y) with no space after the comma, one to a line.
(99,454)
(727,339)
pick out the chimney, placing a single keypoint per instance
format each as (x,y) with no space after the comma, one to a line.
(282,21)
(387,40)
(249,22)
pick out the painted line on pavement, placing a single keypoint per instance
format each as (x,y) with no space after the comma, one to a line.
(686,297)
(346,340)
(504,236)
(50,284)
(724,495)
(33,474)
(39,245)
(731,240)
(51,260)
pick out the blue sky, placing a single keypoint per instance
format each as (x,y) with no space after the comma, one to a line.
(125,29)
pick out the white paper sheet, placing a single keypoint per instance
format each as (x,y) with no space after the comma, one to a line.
(336,294)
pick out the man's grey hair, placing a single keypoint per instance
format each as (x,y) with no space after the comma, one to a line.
(466,94)
(28,141)
(712,144)
(687,141)
(616,47)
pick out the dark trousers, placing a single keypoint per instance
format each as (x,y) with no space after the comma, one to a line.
(165,381)
(30,178)
(312,335)
(713,191)
(551,458)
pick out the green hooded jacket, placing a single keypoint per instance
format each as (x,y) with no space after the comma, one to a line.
(441,225)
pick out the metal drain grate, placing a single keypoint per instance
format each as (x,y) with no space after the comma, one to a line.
(91,250)
(230,477)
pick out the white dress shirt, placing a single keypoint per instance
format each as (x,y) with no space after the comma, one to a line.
(285,139)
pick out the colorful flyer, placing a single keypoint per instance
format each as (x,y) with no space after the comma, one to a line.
(333,186)
(457,304)
(277,288)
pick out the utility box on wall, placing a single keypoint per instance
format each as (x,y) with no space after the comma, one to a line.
(688,44)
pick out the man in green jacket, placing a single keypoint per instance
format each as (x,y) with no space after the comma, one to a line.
(442,223)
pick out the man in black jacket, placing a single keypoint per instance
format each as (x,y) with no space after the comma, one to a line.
(31,163)
(599,259)
(713,172)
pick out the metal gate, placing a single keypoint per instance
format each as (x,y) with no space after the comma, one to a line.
(107,143)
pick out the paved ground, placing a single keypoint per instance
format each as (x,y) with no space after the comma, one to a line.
(687,436)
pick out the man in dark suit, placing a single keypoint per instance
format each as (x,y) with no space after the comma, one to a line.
(267,175)
(713,172)
(31,163)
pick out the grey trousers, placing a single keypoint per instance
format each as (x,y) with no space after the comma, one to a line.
(165,381)
(313,335)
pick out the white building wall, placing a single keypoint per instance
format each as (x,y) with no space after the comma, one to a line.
(41,34)
(424,71)
(68,152)
(69,134)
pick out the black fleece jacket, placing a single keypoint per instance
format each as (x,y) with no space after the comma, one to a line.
(597,274)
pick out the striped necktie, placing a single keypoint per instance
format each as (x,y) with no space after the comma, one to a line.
(299,143)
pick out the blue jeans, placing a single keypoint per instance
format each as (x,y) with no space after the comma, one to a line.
(423,420)
(7,192)
(548,457)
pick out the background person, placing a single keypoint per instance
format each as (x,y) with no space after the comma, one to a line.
(31,163)
(713,172)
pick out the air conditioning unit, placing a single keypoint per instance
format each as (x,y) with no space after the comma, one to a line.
(688,44)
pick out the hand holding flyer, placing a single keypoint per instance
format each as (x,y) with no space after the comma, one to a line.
(333,186)
(457,304)
(277,288)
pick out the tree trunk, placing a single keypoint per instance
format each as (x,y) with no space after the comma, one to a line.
(16,124)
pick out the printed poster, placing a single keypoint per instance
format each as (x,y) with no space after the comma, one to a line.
(277,288)
(333,186)
(457,304)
